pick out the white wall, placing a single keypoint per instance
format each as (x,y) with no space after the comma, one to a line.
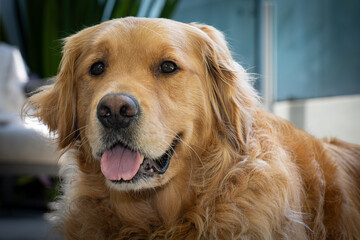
(324,117)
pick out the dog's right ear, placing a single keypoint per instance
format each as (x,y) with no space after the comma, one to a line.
(232,98)
(55,105)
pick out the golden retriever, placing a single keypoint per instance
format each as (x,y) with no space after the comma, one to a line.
(165,139)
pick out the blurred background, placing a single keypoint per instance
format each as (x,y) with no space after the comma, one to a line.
(304,54)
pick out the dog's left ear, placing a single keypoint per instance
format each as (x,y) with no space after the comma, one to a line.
(232,98)
(55,105)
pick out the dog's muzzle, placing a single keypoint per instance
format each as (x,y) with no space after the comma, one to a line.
(121,159)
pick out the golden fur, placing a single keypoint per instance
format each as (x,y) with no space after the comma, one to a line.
(238,172)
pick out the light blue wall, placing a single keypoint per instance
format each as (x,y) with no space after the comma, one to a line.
(318,48)
(236,19)
(317,41)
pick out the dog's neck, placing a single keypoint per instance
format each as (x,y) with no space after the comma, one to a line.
(160,206)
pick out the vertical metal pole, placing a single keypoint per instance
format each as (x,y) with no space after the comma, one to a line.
(268,53)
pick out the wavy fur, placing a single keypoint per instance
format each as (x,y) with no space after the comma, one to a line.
(239,173)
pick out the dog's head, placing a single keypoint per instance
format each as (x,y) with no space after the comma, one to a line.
(139,95)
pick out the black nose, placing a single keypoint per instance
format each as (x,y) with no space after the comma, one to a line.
(117,110)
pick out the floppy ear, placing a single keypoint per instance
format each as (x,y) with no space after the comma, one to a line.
(232,98)
(55,105)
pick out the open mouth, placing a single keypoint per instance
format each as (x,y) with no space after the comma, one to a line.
(121,164)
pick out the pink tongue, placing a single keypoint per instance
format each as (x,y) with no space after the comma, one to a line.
(120,162)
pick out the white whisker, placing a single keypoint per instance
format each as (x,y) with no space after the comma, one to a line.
(73,132)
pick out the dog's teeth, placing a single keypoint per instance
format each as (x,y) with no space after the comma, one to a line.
(142,159)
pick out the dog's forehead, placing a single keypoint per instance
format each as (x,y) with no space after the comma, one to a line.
(141,33)
(134,40)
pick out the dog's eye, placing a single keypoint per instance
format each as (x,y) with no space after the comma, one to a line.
(97,68)
(168,67)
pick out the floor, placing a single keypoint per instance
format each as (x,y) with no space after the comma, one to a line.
(25,225)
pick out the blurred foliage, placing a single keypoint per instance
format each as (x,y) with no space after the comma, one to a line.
(27,192)
(29,187)
(3,36)
(45,22)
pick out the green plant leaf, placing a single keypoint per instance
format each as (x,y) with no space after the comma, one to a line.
(51,44)
(169,8)
(125,8)
(33,36)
